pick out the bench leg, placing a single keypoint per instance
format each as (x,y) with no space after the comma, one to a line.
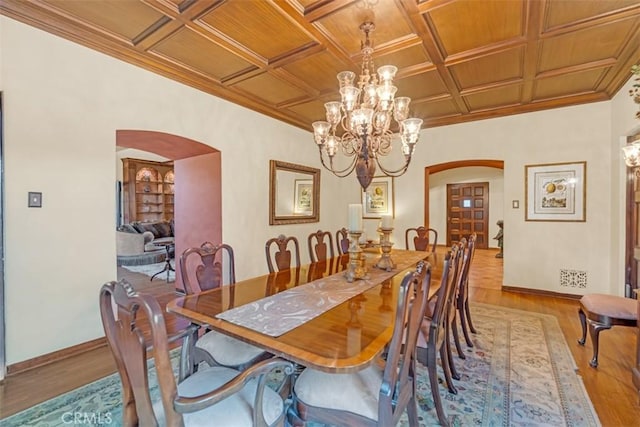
(583,322)
(594,332)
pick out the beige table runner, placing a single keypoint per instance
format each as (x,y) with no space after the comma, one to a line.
(278,314)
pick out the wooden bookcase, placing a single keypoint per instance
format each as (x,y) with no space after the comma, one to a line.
(147,190)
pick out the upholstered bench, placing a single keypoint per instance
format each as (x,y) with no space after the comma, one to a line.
(603,311)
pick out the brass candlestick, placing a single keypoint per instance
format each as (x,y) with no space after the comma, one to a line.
(385,262)
(356,268)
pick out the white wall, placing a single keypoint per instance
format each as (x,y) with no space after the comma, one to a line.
(64,103)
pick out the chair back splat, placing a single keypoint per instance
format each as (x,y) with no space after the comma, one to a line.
(207,264)
(279,249)
(328,398)
(422,236)
(342,241)
(247,399)
(320,246)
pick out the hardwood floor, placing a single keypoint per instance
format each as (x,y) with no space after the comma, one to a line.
(609,386)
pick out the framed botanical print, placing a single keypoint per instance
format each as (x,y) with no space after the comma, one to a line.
(377,199)
(303,196)
(556,192)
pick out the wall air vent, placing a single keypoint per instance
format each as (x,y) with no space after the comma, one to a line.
(573,278)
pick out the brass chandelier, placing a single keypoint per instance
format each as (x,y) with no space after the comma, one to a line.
(366,114)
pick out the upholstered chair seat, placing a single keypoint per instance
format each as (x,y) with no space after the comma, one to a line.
(228,351)
(339,391)
(234,411)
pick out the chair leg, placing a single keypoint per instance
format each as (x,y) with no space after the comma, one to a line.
(463,323)
(435,390)
(412,406)
(446,368)
(456,339)
(187,351)
(583,322)
(594,332)
(468,312)
(447,350)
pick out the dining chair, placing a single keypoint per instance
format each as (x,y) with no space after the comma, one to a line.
(432,340)
(462,303)
(205,264)
(451,309)
(228,396)
(379,394)
(342,241)
(320,246)
(278,250)
(423,236)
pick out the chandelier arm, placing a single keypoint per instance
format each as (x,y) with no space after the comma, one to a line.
(396,172)
(339,173)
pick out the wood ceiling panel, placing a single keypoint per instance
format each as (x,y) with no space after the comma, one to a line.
(466,25)
(421,86)
(435,109)
(343,26)
(563,12)
(403,58)
(126,19)
(498,67)
(202,54)
(258,27)
(459,60)
(310,111)
(584,46)
(270,89)
(507,95)
(567,84)
(319,71)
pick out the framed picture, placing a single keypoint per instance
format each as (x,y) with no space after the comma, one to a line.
(303,197)
(556,192)
(377,200)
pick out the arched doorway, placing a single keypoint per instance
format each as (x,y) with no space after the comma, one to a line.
(198,201)
(441,167)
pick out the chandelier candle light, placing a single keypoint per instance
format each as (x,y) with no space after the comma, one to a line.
(365,115)
(356,268)
(386,228)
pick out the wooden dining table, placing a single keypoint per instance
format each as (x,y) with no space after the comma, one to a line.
(346,337)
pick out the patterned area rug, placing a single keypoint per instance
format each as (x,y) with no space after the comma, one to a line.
(520,372)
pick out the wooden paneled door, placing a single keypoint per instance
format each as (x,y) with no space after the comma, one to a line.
(468,212)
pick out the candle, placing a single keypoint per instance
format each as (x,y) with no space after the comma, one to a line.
(386,222)
(355,217)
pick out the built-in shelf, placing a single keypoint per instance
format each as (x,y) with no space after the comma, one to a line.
(148,190)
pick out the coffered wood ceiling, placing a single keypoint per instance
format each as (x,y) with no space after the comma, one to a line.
(458,60)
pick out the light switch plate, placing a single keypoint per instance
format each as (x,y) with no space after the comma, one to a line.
(35,199)
(515,204)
